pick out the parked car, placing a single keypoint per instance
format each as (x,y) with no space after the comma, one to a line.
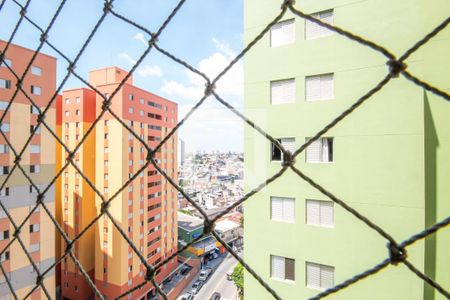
(196,286)
(229,274)
(184,271)
(215,296)
(205,273)
(186,297)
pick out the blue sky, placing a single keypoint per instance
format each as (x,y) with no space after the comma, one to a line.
(205,33)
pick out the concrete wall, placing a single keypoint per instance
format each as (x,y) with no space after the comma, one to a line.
(383,153)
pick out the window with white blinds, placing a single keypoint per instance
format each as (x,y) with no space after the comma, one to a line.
(282,209)
(319,87)
(282,33)
(282,91)
(287,143)
(319,276)
(282,267)
(314,30)
(320,213)
(321,150)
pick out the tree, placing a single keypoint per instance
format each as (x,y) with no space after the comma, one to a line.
(238,277)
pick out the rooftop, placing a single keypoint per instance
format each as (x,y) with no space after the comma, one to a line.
(188,222)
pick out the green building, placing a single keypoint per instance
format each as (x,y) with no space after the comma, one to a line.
(389,160)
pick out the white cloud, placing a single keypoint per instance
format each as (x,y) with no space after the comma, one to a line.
(140,37)
(212,126)
(224,48)
(127,57)
(143,70)
(230,85)
(147,71)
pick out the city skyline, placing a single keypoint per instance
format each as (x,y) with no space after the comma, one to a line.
(209,46)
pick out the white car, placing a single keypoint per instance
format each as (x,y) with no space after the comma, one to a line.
(186,296)
(204,274)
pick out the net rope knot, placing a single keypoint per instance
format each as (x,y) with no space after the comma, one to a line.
(288,159)
(71,67)
(104,207)
(39,278)
(106,104)
(107,7)
(40,118)
(208,226)
(150,155)
(153,40)
(39,199)
(396,67)
(209,89)
(16,233)
(396,254)
(287,3)
(23,11)
(19,83)
(69,247)
(17,159)
(43,38)
(149,273)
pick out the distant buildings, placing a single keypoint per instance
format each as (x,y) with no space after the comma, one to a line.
(38,161)
(145,209)
(389,159)
(213,180)
(191,227)
(181,152)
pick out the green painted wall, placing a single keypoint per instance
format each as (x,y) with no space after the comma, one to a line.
(391,157)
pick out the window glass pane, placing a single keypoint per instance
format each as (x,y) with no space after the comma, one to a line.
(290,268)
(277,208)
(327,277)
(36,71)
(277,267)
(313,275)
(312,212)
(282,33)
(326,213)
(313,151)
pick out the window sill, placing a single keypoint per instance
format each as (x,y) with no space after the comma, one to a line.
(282,221)
(288,281)
(316,288)
(320,226)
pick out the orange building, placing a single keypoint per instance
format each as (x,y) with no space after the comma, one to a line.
(38,160)
(145,209)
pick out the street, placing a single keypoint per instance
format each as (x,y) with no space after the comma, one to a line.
(218,282)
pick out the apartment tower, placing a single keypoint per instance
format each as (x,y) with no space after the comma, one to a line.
(38,160)
(145,209)
(388,159)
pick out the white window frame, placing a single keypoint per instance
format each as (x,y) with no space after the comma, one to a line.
(36,90)
(34,149)
(5,83)
(36,71)
(324,156)
(282,87)
(282,33)
(6,62)
(286,204)
(323,271)
(314,30)
(324,210)
(283,142)
(281,260)
(320,80)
